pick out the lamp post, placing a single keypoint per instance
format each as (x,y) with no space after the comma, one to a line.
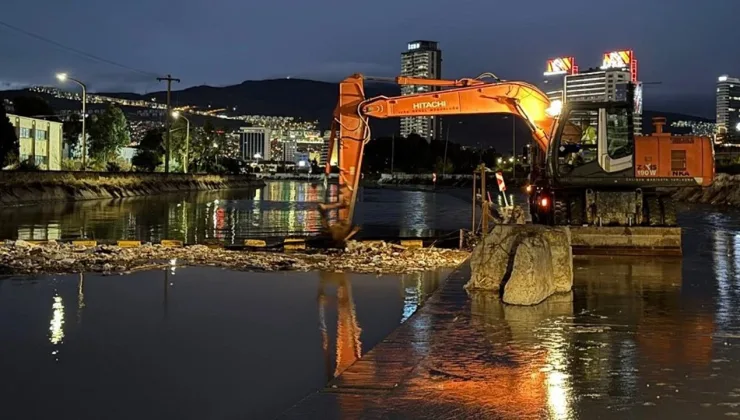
(176,115)
(63,77)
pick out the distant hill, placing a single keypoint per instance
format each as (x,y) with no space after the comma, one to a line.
(311,100)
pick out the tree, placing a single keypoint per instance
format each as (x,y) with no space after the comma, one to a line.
(178,133)
(72,131)
(108,134)
(207,145)
(151,151)
(443,167)
(9,144)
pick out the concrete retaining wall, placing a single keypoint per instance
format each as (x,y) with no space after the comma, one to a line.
(24,187)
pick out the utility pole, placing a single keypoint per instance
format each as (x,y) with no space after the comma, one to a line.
(169,79)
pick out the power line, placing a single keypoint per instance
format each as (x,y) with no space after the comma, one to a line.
(76,51)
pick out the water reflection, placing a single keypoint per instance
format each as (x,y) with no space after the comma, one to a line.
(415,289)
(80,297)
(627,338)
(56,329)
(278,209)
(348,345)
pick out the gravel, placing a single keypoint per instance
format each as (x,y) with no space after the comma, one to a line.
(20,257)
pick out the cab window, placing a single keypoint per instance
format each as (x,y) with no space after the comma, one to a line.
(619,138)
(578,141)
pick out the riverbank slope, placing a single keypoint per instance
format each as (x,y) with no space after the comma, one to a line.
(724,191)
(25,187)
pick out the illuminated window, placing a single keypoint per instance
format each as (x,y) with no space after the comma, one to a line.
(25,133)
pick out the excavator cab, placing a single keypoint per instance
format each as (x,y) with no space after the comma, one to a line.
(593,141)
(600,172)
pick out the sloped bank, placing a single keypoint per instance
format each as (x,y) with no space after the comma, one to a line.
(724,191)
(25,187)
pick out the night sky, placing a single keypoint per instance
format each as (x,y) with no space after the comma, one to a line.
(685,44)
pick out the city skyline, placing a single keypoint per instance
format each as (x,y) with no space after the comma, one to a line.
(223,50)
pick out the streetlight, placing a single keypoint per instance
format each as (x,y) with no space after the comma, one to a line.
(63,77)
(257,156)
(176,115)
(737,127)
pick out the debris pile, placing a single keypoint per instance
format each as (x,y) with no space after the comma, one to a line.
(20,257)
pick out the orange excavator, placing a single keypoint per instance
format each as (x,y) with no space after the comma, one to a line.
(589,166)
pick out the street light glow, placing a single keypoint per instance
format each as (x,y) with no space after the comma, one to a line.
(257,156)
(737,127)
(62,77)
(175,114)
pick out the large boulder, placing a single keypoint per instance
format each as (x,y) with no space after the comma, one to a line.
(559,240)
(531,262)
(489,261)
(531,280)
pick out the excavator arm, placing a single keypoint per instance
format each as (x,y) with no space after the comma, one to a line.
(461,97)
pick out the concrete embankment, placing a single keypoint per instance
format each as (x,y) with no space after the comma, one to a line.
(724,191)
(25,187)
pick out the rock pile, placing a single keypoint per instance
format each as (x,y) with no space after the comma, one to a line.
(21,257)
(724,191)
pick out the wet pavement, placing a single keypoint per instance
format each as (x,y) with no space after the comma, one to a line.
(188,343)
(625,343)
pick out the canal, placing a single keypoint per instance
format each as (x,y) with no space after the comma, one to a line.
(280,208)
(188,343)
(637,337)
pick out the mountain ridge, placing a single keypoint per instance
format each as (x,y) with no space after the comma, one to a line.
(312,100)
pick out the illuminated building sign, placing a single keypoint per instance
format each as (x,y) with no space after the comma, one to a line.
(414,46)
(561,65)
(624,59)
(616,60)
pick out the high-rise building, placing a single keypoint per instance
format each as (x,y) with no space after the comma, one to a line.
(601,84)
(728,109)
(422,59)
(254,143)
